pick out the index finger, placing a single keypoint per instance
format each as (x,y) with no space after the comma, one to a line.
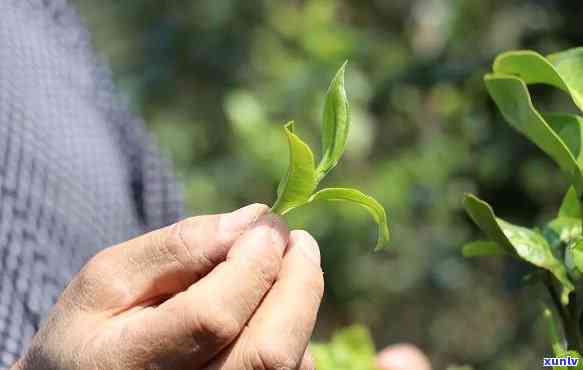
(160,263)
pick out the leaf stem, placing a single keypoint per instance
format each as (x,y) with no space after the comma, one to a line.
(568,317)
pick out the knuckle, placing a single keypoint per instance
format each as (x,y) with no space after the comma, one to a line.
(266,273)
(89,279)
(216,327)
(316,286)
(272,357)
(177,247)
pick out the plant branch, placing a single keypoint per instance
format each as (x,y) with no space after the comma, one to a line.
(568,317)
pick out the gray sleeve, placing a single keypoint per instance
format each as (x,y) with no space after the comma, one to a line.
(78,171)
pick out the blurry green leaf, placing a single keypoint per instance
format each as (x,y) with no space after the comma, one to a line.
(562,230)
(335,124)
(561,70)
(299,183)
(570,207)
(577,249)
(529,245)
(483,248)
(513,99)
(573,355)
(569,64)
(351,348)
(574,259)
(459,368)
(369,203)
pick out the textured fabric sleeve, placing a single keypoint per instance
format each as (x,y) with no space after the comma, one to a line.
(78,171)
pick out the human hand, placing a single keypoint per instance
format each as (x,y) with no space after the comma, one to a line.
(232,291)
(402,357)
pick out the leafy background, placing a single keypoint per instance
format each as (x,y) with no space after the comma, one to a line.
(215,81)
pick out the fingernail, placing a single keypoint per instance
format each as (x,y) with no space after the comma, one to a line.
(308,245)
(239,220)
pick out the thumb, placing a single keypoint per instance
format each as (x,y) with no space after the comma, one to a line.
(402,357)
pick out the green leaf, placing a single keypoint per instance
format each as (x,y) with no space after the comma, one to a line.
(577,249)
(459,368)
(562,230)
(369,203)
(527,244)
(513,99)
(570,207)
(569,64)
(483,216)
(481,248)
(299,183)
(350,348)
(335,124)
(569,127)
(574,259)
(561,70)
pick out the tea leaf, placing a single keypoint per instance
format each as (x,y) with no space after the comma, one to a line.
(570,207)
(574,259)
(335,124)
(513,99)
(561,70)
(569,64)
(369,203)
(527,244)
(299,183)
(569,128)
(298,186)
(481,248)
(562,230)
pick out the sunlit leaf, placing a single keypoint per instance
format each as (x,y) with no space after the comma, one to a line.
(299,183)
(569,127)
(513,99)
(562,230)
(569,64)
(481,248)
(561,70)
(369,203)
(527,244)
(298,186)
(574,259)
(335,124)
(570,207)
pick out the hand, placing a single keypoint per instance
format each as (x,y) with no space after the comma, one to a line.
(232,291)
(402,357)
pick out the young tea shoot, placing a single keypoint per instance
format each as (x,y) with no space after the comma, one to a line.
(299,186)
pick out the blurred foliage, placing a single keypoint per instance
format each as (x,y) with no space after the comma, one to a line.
(210,77)
(350,348)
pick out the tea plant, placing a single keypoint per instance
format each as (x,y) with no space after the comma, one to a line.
(299,186)
(555,249)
